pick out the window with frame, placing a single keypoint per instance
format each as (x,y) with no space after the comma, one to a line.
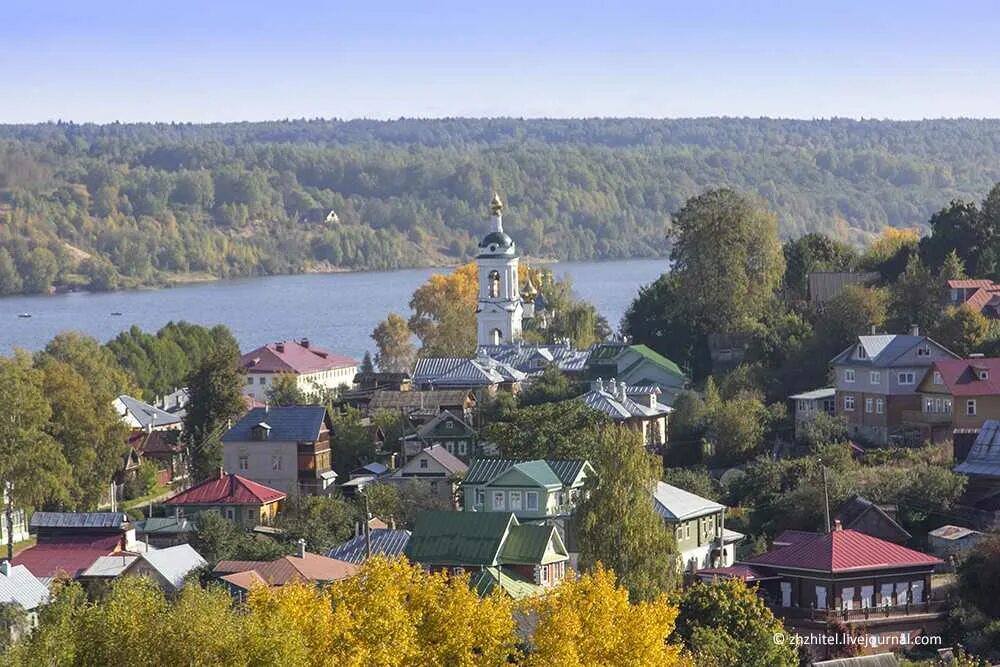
(803,406)
(244,462)
(423,464)
(875,377)
(230,513)
(924,351)
(849,403)
(849,375)
(936,378)
(947,406)
(250,380)
(861,353)
(970,407)
(531,500)
(869,405)
(276,462)
(906,377)
(984,374)
(480,497)
(687,530)
(515,500)
(879,406)
(498,499)
(461,447)
(263,380)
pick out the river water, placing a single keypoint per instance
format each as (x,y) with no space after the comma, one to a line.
(336,310)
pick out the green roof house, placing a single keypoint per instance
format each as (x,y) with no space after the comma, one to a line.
(636,365)
(521,559)
(531,490)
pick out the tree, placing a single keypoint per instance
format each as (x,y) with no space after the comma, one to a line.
(979,575)
(10,279)
(394,350)
(916,298)
(958,228)
(416,497)
(852,313)
(218,538)
(444,313)
(695,480)
(962,329)
(351,441)
(810,253)
(729,241)
(32,466)
(590,621)
(824,429)
(214,389)
(618,525)
(42,268)
(367,364)
(564,430)
(381,499)
(737,427)
(726,624)
(322,521)
(550,386)
(285,390)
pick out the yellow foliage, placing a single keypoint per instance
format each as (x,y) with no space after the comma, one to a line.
(444,312)
(590,621)
(891,240)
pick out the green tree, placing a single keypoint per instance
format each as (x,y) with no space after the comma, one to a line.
(727,240)
(322,521)
(367,364)
(961,229)
(351,441)
(824,429)
(726,624)
(810,253)
(853,312)
(285,390)
(214,390)
(383,501)
(618,525)
(550,386)
(218,538)
(42,268)
(564,430)
(32,466)
(10,279)
(737,427)
(395,352)
(962,329)
(916,298)
(697,480)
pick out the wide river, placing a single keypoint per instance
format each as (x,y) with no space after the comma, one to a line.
(335,310)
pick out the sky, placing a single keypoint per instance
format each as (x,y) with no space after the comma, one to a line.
(221,60)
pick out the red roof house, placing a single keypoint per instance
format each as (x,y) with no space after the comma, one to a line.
(241,575)
(237,498)
(982,295)
(299,357)
(819,582)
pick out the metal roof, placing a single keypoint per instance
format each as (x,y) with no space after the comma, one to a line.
(677,504)
(227,489)
(427,399)
(611,402)
(79,520)
(165,525)
(882,350)
(109,567)
(294,423)
(290,356)
(19,585)
(532,359)
(384,541)
(173,563)
(148,415)
(458,538)
(482,471)
(526,544)
(488,579)
(814,394)
(984,456)
(843,551)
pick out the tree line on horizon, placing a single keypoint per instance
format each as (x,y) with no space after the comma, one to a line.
(121,205)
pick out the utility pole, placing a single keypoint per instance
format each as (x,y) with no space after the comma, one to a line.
(826,497)
(368,537)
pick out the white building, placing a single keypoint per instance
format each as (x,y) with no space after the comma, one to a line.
(315,369)
(499,310)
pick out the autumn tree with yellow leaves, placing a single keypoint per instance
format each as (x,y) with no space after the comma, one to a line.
(392,613)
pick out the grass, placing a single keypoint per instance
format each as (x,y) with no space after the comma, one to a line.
(156,492)
(24,544)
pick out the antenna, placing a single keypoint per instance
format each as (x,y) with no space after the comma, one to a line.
(826,497)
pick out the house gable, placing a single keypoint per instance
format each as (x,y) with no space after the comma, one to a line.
(521,475)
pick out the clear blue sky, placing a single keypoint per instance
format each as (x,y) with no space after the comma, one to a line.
(141,60)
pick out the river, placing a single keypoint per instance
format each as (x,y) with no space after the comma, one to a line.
(336,310)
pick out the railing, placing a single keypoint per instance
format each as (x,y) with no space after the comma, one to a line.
(919,417)
(862,614)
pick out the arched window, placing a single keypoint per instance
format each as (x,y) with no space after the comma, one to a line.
(494,284)
(496,337)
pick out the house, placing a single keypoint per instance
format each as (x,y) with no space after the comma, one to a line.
(237,498)
(18,586)
(141,416)
(877,380)
(285,448)
(958,395)
(859,513)
(445,429)
(947,541)
(175,402)
(434,467)
(165,531)
(386,542)
(166,567)
(636,365)
(638,408)
(166,450)
(982,467)
(531,490)
(362,476)
(523,558)
(824,285)
(68,543)
(315,370)
(821,582)
(423,405)
(241,575)
(699,527)
(980,295)
(533,359)
(808,404)
(483,373)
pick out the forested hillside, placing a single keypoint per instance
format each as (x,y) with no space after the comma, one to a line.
(122,205)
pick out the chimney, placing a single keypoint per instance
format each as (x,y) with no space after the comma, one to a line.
(302,548)
(305,343)
(874,330)
(280,347)
(914,330)
(5,568)
(837,525)
(222,473)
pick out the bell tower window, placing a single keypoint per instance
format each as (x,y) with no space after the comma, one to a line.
(496,337)
(494,282)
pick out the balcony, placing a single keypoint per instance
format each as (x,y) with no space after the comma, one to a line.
(928,418)
(933,607)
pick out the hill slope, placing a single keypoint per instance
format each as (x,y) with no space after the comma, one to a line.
(154,202)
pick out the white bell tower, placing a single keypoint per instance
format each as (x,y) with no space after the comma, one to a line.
(499,310)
